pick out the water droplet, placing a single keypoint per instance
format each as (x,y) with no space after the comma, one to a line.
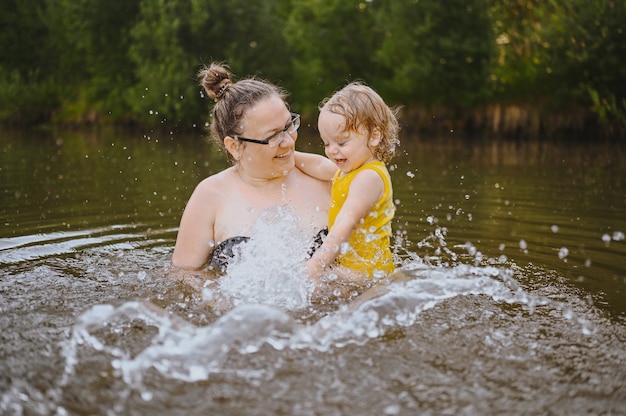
(555,229)
(478,258)
(392,409)
(345,247)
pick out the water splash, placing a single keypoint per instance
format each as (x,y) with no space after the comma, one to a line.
(269,268)
(186,352)
(179,350)
(265,284)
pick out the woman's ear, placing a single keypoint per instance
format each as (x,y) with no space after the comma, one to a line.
(233,147)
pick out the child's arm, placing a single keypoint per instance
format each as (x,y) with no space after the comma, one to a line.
(365,190)
(315,165)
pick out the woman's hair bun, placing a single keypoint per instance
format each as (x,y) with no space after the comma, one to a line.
(215,79)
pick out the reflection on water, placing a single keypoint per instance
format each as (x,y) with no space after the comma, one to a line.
(510,299)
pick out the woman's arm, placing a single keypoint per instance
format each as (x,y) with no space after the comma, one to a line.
(316,166)
(195,240)
(365,190)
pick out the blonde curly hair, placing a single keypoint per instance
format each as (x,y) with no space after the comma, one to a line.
(362,107)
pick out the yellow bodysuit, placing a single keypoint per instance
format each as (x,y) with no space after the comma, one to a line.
(369,251)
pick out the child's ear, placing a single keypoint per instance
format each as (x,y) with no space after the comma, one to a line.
(233,147)
(375,137)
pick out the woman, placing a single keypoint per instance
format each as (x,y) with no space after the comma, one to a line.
(252,121)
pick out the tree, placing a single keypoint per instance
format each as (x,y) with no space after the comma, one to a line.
(333,42)
(562,59)
(437,53)
(93,39)
(28,63)
(589,43)
(173,38)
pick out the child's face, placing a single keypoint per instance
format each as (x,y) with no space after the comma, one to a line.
(349,150)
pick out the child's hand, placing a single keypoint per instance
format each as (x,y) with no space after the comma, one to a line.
(314,270)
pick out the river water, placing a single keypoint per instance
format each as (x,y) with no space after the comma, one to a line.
(509,299)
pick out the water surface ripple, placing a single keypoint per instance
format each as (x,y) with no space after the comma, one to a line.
(510,298)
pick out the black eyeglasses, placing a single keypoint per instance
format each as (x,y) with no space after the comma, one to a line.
(277,138)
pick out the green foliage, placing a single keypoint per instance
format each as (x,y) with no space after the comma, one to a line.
(163,70)
(437,53)
(172,39)
(136,60)
(594,57)
(24,45)
(558,56)
(26,99)
(93,38)
(27,60)
(333,42)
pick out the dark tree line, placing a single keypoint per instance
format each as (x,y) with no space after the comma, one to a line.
(523,67)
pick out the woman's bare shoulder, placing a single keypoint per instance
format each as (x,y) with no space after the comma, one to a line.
(216,183)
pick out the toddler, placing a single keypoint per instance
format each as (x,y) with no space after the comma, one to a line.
(360,134)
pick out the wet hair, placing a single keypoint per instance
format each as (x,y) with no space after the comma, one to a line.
(362,107)
(232,99)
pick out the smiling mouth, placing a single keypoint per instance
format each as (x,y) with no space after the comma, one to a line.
(283,156)
(340,161)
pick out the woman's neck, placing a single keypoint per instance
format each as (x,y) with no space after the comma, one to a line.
(260,182)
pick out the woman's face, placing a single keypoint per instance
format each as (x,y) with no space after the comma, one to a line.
(261,121)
